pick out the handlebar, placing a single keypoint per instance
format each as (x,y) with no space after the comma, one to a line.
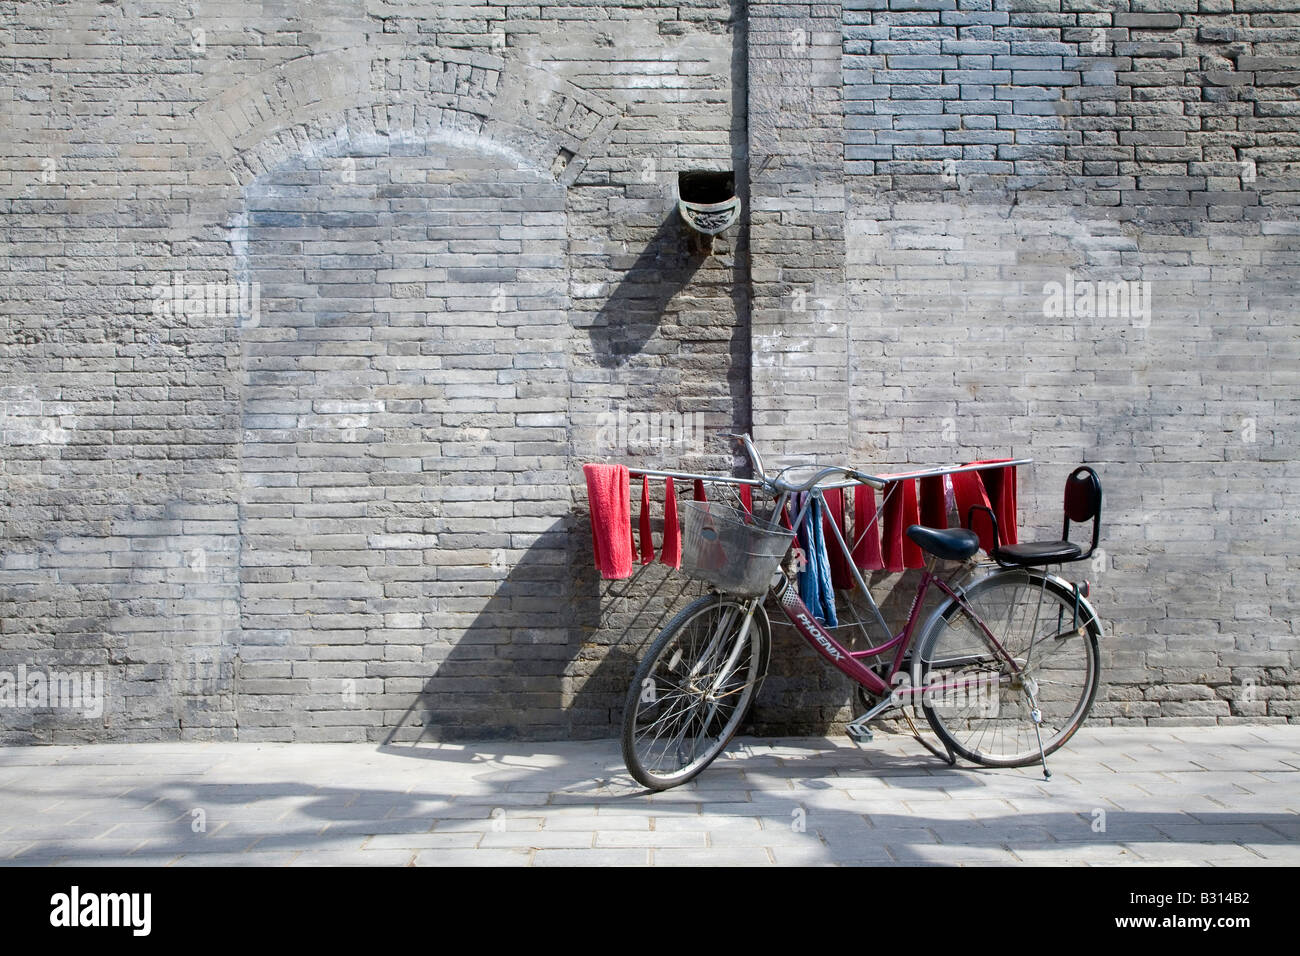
(780,484)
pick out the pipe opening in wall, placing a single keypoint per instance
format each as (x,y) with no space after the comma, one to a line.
(708,203)
(706,188)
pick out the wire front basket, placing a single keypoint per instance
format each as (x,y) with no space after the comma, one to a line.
(736,552)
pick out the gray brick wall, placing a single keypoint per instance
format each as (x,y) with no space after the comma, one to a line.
(993,154)
(344,508)
(334,492)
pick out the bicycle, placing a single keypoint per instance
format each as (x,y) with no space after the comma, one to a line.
(1005,669)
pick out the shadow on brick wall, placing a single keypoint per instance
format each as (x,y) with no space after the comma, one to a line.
(636,308)
(551,653)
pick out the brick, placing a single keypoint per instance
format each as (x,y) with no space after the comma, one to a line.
(466,253)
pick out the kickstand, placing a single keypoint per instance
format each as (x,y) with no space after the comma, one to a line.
(1037,716)
(946,757)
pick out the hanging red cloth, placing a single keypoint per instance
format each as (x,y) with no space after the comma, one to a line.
(900,513)
(968,490)
(913,556)
(934,502)
(671,552)
(1000,484)
(611,523)
(747,499)
(995,489)
(699,490)
(866,530)
(841,575)
(647,541)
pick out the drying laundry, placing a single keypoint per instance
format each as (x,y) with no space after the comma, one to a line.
(933,502)
(1000,483)
(841,575)
(611,523)
(647,541)
(671,551)
(995,489)
(900,512)
(866,530)
(815,587)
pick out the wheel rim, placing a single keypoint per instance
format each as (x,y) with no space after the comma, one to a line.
(688,702)
(987,714)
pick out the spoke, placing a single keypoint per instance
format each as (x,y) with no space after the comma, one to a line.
(1021,619)
(669,716)
(668,712)
(697,698)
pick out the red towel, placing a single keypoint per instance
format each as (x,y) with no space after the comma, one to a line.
(900,513)
(801,562)
(968,489)
(866,530)
(913,556)
(747,499)
(611,523)
(1000,483)
(671,552)
(841,575)
(994,488)
(934,503)
(699,491)
(647,541)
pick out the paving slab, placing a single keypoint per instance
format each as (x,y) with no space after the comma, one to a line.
(1119,796)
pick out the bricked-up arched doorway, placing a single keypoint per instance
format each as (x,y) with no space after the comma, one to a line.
(404,437)
(403,393)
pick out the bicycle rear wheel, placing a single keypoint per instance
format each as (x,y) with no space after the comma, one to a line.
(976,702)
(692,690)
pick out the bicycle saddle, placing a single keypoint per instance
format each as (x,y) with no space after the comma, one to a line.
(952,544)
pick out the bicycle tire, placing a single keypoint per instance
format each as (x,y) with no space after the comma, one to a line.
(760,641)
(954,624)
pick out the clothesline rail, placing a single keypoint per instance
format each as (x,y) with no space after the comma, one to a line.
(876,480)
(691,476)
(805,485)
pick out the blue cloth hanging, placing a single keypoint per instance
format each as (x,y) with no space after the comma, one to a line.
(815,587)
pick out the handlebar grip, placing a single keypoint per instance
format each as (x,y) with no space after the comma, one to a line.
(867,480)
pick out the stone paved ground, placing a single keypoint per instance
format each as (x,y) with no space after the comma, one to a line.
(1206,795)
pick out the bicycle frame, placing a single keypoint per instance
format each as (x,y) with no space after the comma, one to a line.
(977,666)
(850,663)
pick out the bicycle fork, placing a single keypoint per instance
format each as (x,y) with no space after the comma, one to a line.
(724,673)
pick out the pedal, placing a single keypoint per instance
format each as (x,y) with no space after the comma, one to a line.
(859,733)
(857,728)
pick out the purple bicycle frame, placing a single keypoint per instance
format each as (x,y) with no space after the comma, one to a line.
(849,662)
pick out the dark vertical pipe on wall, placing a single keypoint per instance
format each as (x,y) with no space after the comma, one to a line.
(741,346)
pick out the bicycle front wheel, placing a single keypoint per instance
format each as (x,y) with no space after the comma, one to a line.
(692,690)
(976,701)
